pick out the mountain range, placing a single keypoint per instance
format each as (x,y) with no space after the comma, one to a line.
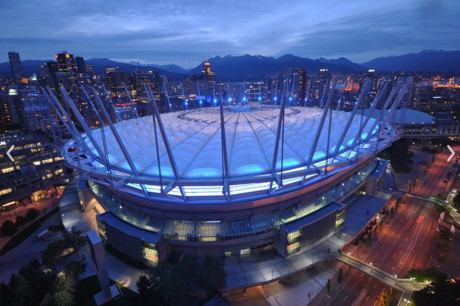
(251,67)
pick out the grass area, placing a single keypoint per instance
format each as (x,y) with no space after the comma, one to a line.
(88,287)
(26,232)
(124,257)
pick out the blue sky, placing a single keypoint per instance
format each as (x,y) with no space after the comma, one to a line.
(187,32)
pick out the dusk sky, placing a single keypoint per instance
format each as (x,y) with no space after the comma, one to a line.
(188,32)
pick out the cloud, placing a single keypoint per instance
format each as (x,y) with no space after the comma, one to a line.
(186,32)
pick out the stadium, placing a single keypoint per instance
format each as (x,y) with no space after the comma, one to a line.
(229,180)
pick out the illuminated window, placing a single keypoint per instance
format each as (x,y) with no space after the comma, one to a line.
(9,169)
(292,180)
(292,248)
(47,161)
(5,191)
(292,236)
(37,163)
(196,191)
(134,185)
(246,188)
(245,251)
(150,254)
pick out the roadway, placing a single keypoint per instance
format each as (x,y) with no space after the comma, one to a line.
(28,250)
(435,177)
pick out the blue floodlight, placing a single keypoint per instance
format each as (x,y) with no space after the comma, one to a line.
(201,102)
(229,99)
(276,98)
(244,99)
(290,98)
(215,100)
(260,98)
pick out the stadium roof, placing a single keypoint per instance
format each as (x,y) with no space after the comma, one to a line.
(195,140)
(407,116)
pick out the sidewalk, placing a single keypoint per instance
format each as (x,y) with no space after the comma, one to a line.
(73,217)
(250,271)
(43,206)
(240,272)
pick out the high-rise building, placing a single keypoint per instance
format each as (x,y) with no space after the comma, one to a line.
(80,62)
(294,82)
(16,65)
(206,82)
(49,68)
(28,107)
(66,63)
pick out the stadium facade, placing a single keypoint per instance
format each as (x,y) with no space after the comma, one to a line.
(230,179)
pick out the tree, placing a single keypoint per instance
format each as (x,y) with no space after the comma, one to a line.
(440,291)
(212,274)
(28,287)
(369,238)
(375,232)
(20,290)
(328,286)
(39,281)
(20,220)
(386,298)
(144,286)
(76,239)
(8,228)
(53,251)
(441,196)
(31,214)
(340,276)
(399,155)
(457,201)
(63,291)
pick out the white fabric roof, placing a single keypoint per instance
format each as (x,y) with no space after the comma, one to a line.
(195,139)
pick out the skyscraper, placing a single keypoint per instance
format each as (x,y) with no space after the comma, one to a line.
(66,63)
(16,65)
(81,67)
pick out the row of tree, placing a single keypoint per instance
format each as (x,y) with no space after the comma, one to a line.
(9,228)
(33,285)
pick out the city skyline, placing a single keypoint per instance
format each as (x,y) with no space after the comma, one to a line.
(185,34)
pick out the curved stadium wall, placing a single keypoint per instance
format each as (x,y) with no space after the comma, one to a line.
(264,177)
